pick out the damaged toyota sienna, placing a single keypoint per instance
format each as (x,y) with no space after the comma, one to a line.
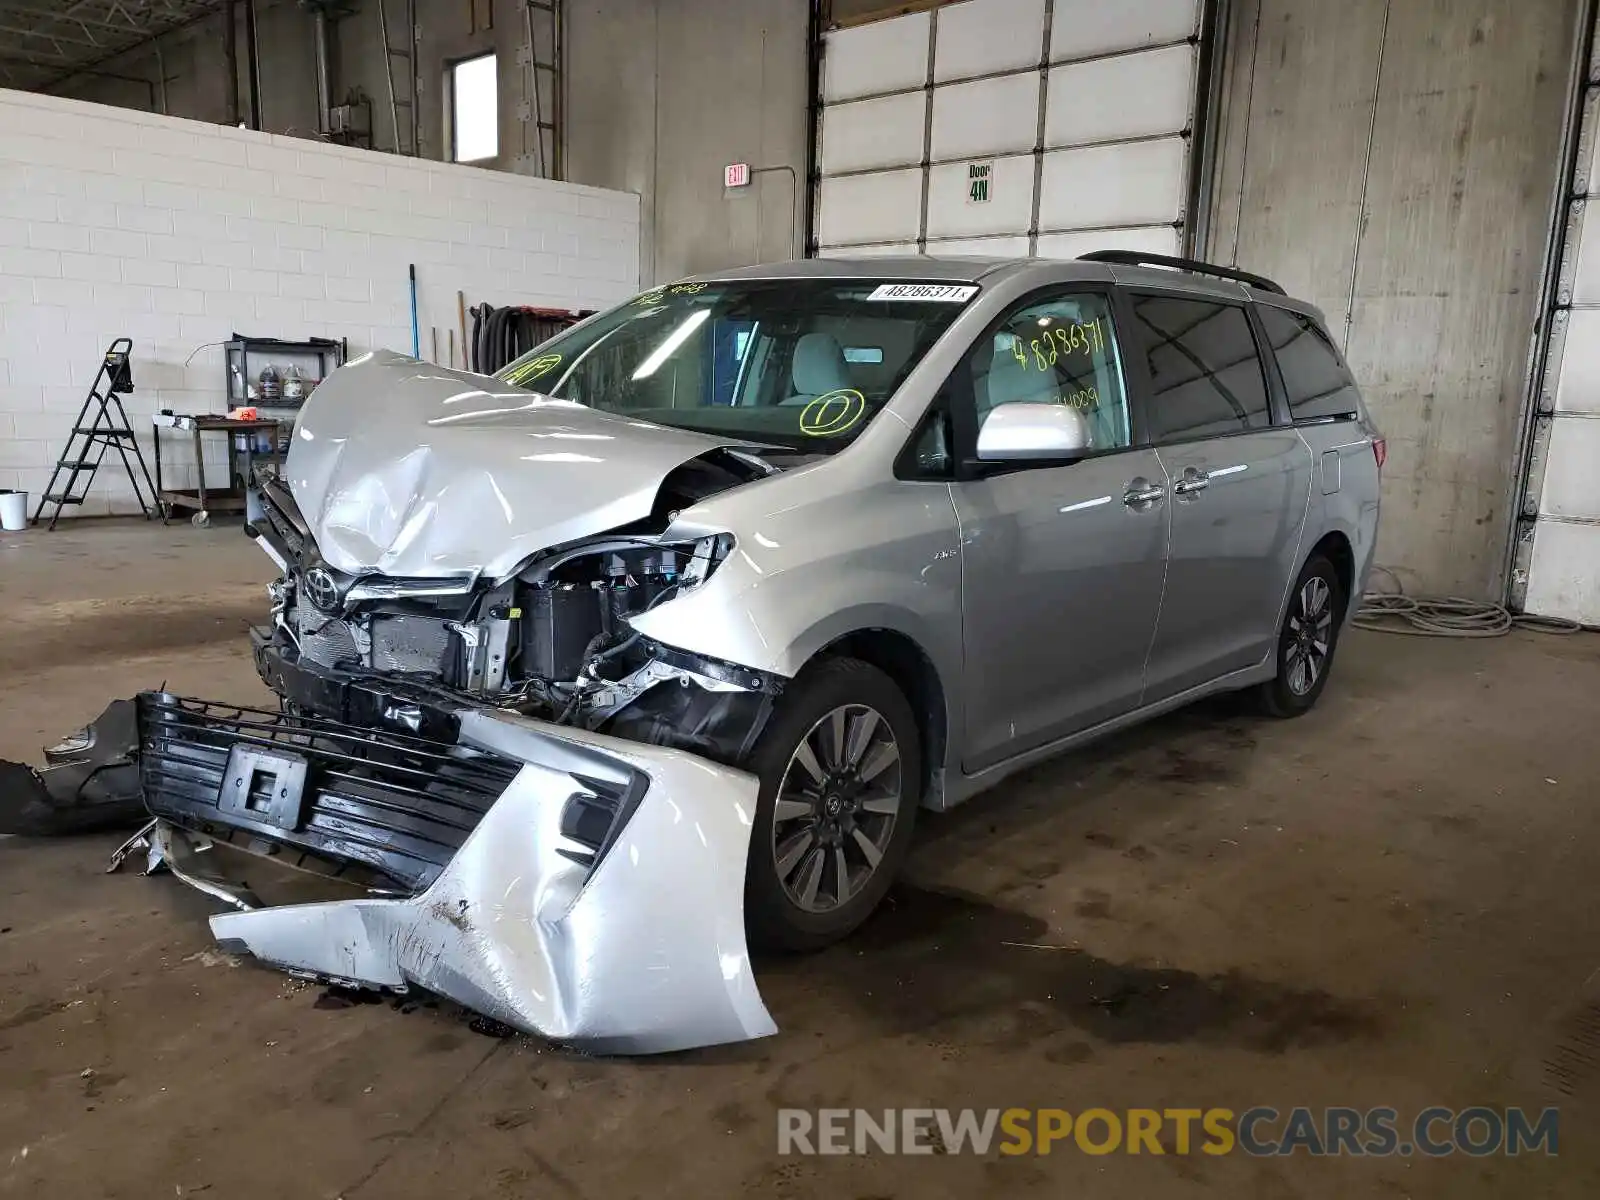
(647,650)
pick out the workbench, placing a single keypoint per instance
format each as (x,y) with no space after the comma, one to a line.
(203,500)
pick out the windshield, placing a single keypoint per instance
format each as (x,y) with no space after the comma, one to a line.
(804,363)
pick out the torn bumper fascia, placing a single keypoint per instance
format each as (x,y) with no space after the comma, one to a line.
(645,954)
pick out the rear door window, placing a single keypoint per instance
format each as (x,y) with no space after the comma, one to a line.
(1318,384)
(1205,370)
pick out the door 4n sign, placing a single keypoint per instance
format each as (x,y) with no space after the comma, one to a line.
(980,175)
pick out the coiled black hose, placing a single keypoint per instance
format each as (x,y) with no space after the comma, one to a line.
(501,335)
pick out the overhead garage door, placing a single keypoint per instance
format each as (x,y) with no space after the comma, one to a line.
(1558,546)
(1009,127)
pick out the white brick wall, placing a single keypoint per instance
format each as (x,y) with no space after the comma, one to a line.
(118,223)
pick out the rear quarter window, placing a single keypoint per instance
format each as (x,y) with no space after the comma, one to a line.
(1318,384)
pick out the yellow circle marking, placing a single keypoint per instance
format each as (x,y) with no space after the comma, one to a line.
(655,297)
(831,414)
(687,289)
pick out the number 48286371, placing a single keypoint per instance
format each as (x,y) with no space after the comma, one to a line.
(1068,339)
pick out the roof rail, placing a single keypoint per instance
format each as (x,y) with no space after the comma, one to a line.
(1135,258)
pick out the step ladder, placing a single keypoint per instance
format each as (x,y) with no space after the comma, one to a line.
(402,95)
(92,436)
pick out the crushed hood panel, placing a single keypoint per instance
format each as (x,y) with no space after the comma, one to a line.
(409,469)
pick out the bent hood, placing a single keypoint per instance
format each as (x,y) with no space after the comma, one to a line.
(404,468)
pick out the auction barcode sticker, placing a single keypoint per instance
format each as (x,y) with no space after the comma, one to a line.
(948,293)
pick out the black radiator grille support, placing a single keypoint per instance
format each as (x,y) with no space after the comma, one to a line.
(398,804)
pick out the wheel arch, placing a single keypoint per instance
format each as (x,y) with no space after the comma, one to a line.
(912,669)
(1336,548)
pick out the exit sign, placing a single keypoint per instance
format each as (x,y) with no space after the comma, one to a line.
(736,175)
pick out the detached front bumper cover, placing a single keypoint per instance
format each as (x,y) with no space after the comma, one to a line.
(571,885)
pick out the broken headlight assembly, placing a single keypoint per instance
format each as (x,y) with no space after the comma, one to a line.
(573,645)
(554,641)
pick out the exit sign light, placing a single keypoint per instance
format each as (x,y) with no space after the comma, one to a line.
(736,175)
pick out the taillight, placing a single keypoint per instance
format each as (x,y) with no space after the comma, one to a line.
(1380,451)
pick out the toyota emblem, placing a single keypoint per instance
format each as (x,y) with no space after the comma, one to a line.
(322,589)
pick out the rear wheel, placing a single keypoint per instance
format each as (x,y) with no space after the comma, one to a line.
(841,777)
(1306,641)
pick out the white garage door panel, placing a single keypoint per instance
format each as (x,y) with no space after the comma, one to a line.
(1135,95)
(884,250)
(989,117)
(981,36)
(1579,386)
(1586,279)
(1086,134)
(995,247)
(883,56)
(1569,470)
(1010,206)
(1139,183)
(1080,28)
(1563,569)
(881,207)
(1563,580)
(1156,239)
(873,133)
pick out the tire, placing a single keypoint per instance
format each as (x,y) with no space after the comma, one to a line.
(1302,669)
(795,853)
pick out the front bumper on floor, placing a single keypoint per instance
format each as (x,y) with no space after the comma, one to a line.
(571,885)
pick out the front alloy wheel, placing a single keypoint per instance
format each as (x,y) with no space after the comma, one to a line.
(840,764)
(836,807)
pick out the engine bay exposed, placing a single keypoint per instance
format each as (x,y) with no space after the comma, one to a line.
(554,641)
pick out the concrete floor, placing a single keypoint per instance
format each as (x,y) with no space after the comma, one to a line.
(1390,902)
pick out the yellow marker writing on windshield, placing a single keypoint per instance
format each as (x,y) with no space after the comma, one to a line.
(542,365)
(833,413)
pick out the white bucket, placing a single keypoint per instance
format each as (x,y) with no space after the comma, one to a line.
(13,509)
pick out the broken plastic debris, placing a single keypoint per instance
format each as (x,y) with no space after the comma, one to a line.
(90,781)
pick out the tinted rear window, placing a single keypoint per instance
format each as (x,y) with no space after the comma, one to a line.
(1205,371)
(1314,376)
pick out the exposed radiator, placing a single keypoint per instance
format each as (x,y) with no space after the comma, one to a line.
(324,640)
(411,644)
(402,644)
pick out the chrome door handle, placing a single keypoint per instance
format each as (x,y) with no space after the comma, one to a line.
(1139,494)
(1189,484)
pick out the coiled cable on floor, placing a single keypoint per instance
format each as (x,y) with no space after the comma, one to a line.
(1445,616)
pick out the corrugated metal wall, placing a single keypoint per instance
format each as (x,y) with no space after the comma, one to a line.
(1395,162)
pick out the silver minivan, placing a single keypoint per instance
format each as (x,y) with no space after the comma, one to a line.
(663,634)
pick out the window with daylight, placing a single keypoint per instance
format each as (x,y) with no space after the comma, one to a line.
(474,109)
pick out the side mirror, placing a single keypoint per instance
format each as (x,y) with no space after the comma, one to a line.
(1021,431)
